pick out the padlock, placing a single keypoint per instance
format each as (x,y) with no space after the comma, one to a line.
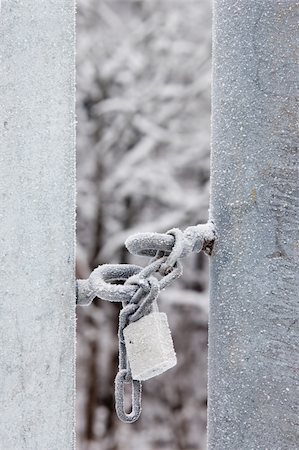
(149,346)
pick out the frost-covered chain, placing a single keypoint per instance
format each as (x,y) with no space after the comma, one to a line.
(139,290)
(140,305)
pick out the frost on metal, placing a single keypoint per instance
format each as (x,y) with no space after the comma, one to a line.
(149,346)
(37,299)
(254,274)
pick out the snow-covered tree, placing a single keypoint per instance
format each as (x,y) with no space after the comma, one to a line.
(143,105)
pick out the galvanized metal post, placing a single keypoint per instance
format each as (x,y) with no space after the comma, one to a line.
(254,273)
(37,297)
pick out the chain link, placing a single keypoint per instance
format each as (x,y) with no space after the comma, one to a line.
(139,291)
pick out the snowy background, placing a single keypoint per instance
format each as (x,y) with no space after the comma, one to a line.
(143,106)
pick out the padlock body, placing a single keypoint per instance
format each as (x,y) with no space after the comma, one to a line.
(149,346)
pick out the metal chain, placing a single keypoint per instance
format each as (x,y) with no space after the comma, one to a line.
(140,290)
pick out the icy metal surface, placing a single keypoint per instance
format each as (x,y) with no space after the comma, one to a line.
(149,346)
(253,385)
(37,298)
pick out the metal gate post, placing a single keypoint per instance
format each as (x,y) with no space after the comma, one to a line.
(37,297)
(254,271)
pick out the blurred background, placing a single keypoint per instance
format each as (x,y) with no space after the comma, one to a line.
(143,111)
